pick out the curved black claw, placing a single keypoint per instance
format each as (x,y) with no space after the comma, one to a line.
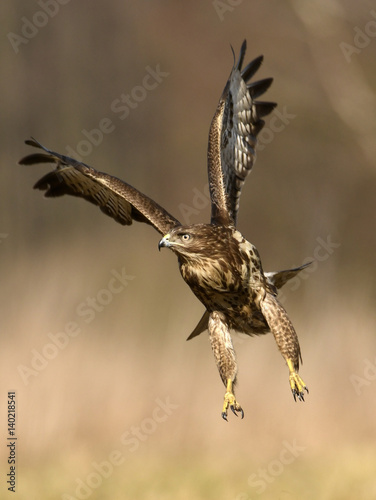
(296,383)
(230,401)
(300,394)
(234,411)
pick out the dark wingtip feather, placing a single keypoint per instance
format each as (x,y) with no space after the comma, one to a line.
(33,142)
(243,50)
(53,185)
(257,127)
(260,87)
(264,108)
(233,52)
(252,68)
(36,158)
(44,182)
(36,144)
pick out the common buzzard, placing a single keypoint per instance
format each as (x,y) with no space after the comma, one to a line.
(220,266)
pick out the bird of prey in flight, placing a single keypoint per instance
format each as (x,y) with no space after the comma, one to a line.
(220,266)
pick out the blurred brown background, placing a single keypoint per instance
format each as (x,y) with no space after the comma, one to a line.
(126,408)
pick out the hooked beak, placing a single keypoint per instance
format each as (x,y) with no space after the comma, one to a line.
(165,242)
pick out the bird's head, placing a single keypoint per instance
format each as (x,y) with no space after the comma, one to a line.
(180,239)
(197,240)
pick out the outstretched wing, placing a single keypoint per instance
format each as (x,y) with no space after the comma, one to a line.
(280,278)
(115,198)
(233,138)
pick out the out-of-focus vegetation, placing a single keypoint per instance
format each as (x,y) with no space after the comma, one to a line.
(111,400)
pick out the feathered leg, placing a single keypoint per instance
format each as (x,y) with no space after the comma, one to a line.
(287,341)
(225,359)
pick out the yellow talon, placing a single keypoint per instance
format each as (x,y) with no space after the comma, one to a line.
(230,401)
(296,383)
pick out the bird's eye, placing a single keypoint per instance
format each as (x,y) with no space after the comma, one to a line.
(185,237)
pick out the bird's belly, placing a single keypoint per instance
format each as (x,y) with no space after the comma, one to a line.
(239,301)
(216,291)
(236,302)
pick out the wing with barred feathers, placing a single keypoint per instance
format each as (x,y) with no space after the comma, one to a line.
(233,138)
(115,198)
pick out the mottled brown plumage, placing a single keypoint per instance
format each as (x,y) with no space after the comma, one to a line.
(220,266)
(225,273)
